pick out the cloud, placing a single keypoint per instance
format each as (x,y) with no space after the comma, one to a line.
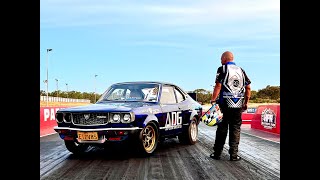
(169,23)
(159,44)
(168,13)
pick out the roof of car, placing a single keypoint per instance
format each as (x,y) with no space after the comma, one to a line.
(156,82)
(138,82)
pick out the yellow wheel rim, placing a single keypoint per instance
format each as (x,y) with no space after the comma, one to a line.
(194,131)
(148,138)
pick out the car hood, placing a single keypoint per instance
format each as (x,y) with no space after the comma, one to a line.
(107,107)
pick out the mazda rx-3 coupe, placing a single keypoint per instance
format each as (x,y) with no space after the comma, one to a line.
(140,112)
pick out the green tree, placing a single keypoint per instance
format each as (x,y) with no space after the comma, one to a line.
(42,93)
(270,92)
(253,95)
(203,95)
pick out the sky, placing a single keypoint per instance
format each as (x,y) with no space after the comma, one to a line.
(176,41)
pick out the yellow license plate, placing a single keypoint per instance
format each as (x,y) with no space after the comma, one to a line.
(88,136)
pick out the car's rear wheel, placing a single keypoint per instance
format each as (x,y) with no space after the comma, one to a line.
(190,135)
(149,138)
(75,148)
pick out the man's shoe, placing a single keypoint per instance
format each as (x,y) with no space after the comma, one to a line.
(214,156)
(237,158)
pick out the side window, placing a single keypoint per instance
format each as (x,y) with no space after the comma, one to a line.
(167,95)
(151,94)
(180,97)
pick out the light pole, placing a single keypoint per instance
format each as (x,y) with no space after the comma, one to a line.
(95,95)
(47,82)
(57,89)
(67,89)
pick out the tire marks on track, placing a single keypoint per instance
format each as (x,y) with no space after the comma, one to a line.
(263,155)
(171,160)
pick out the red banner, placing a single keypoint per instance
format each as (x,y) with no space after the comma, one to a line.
(267,118)
(48,120)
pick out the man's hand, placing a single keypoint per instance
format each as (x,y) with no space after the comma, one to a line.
(244,107)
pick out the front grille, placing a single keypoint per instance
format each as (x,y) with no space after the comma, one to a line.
(90,119)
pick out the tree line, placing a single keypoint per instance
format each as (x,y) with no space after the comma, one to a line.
(270,94)
(72,95)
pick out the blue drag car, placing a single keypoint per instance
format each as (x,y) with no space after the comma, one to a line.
(140,112)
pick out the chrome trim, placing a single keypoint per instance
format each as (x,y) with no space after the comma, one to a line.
(107,114)
(100,129)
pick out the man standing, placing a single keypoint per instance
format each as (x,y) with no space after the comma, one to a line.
(232,85)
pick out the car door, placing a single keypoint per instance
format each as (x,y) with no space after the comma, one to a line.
(171,120)
(183,106)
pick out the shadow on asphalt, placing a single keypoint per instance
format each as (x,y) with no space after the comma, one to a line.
(127,151)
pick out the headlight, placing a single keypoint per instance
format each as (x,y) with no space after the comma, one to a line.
(59,117)
(121,117)
(116,118)
(126,118)
(67,117)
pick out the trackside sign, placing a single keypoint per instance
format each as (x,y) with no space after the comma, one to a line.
(48,119)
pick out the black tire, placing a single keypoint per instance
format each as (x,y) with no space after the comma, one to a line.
(75,147)
(190,135)
(161,139)
(148,139)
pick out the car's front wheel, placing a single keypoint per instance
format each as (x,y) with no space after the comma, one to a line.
(149,137)
(75,147)
(190,135)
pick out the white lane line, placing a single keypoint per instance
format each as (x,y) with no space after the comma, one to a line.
(48,134)
(260,137)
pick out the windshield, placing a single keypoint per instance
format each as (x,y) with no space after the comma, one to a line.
(147,92)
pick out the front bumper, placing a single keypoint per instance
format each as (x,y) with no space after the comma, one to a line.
(104,134)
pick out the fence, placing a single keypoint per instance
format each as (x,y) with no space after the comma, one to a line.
(60,99)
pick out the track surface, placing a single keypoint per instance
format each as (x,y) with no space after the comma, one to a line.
(171,160)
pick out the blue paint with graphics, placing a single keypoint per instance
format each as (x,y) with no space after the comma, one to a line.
(130,99)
